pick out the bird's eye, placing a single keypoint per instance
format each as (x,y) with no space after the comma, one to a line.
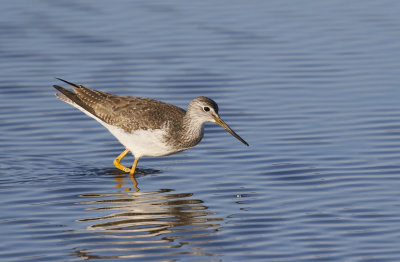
(206,108)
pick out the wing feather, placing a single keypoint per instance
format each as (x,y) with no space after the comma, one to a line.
(128,112)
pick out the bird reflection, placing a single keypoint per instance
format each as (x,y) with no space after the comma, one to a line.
(135,224)
(120,178)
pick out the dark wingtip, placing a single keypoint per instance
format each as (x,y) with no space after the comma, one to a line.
(59,88)
(65,81)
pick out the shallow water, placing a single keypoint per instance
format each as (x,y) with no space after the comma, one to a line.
(312,86)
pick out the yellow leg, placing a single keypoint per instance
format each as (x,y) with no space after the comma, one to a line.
(132,171)
(118,160)
(132,174)
(124,168)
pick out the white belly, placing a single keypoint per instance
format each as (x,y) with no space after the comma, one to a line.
(142,142)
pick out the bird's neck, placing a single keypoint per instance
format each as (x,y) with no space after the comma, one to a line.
(192,131)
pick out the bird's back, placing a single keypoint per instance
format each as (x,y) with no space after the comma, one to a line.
(127,112)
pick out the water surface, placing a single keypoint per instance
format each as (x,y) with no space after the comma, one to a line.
(312,86)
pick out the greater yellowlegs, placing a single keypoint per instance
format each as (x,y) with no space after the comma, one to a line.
(146,127)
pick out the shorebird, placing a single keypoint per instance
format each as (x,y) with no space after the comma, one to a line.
(146,127)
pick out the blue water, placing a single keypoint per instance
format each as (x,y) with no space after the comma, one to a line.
(313,86)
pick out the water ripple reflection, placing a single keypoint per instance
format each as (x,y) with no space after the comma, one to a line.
(313,86)
(145,224)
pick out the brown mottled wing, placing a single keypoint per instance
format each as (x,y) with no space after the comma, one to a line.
(133,113)
(129,113)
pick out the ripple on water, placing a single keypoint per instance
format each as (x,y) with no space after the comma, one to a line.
(313,88)
(150,225)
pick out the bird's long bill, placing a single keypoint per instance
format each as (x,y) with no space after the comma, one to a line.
(220,122)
